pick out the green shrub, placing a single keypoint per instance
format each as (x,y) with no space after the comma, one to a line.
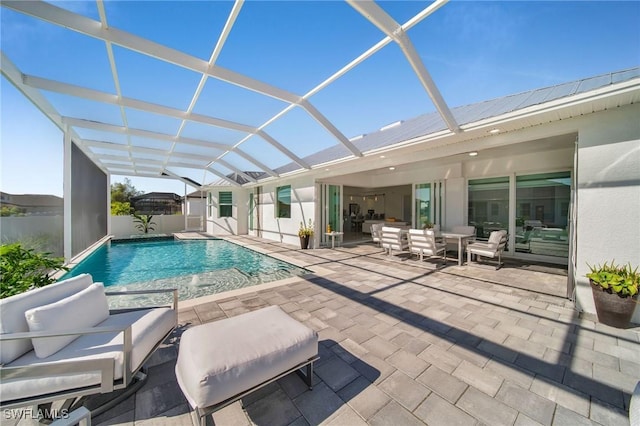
(622,280)
(23,269)
(143,222)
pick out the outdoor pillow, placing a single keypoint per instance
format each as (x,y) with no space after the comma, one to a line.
(84,309)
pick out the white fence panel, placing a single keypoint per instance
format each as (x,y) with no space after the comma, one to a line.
(124,226)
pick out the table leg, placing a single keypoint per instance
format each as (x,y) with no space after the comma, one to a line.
(459,251)
(333,242)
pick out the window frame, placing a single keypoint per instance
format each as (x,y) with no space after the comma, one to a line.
(227,204)
(281,213)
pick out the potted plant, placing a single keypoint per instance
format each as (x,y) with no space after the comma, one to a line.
(305,233)
(615,292)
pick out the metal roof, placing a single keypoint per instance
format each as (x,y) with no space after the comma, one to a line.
(431,123)
(130,130)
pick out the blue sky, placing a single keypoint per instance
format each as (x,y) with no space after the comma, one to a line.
(473,50)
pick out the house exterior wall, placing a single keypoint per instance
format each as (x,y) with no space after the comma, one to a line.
(303,196)
(608,224)
(608,186)
(236,224)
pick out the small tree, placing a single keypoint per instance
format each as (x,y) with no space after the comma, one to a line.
(143,222)
(23,269)
(119,208)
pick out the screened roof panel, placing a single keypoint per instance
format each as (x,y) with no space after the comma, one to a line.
(140,156)
(146,78)
(85,8)
(311,42)
(99,135)
(189,26)
(268,155)
(287,86)
(149,121)
(24,39)
(72,106)
(300,132)
(231,102)
(106,151)
(239,162)
(217,134)
(142,142)
(365,100)
(208,153)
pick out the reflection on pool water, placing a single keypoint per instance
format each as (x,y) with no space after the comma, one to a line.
(195,267)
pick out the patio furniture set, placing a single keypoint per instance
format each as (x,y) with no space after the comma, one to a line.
(432,242)
(62,343)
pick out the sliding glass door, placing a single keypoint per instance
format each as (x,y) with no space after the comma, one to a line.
(533,208)
(331,210)
(429,202)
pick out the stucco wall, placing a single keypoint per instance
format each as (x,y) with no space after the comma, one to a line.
(123,226)
(608,225)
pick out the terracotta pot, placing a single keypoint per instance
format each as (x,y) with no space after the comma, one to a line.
(612,309)
(304,242)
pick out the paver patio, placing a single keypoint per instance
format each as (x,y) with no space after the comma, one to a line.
(402,342)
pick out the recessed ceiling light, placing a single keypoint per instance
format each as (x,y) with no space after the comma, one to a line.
(494,131)
(326,170)
(392,168)
(473,153)
(382,156)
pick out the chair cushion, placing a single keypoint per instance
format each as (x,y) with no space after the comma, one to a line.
(149,326)
(12,309)
(82,310)
(222,359)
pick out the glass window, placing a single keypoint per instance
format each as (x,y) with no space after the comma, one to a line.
(209,203)
(543,213)
(283,200)
(225,204)
(423,204)
(489,205)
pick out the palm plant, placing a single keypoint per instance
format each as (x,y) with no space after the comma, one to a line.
(143,222)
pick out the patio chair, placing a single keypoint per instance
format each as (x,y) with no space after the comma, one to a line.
(423,242)
(393,239)
(376,233)
(492,248)
(61,342)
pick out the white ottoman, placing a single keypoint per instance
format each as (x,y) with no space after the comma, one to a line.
(220,362)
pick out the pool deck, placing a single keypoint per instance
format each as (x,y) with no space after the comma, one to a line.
(404,342)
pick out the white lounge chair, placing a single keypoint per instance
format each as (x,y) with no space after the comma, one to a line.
(61,342)
(492,248)
(423,242)
(394,239)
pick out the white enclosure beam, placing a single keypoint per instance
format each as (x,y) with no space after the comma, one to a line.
(95,125)
(385,23)
(299,161)
(92,28)
(182,179)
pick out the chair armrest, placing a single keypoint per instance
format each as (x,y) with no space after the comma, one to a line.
(105,366)
(72,332)
(125,329)
(151,291)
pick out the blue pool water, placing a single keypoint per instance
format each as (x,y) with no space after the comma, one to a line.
(196,267)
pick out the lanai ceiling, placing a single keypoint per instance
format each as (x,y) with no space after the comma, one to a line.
(203,104)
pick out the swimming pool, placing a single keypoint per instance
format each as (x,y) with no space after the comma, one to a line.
(195,267)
